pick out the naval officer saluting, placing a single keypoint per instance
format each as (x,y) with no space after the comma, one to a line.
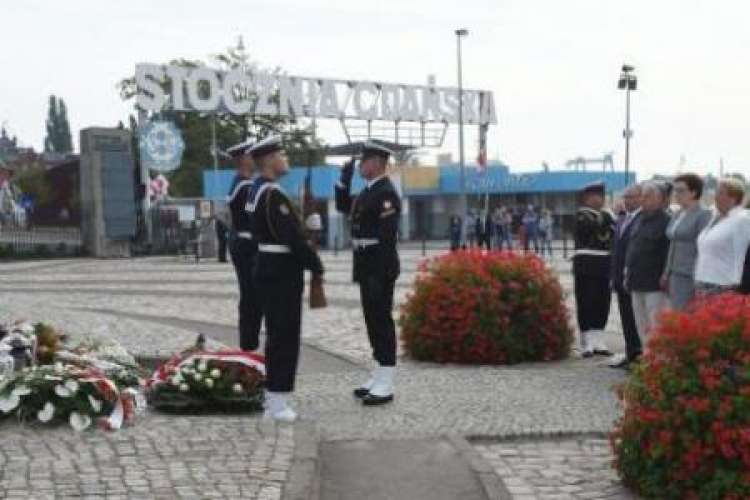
(374,215)
(283,255)
(243,248)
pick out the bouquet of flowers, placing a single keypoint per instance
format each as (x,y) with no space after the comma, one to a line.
(57,393)
(198,381)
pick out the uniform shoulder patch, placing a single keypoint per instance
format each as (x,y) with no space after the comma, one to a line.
(284,209)
(387,204)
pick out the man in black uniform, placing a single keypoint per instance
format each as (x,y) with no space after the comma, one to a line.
(283,255)
(594,230)
(374,215)
(243,248)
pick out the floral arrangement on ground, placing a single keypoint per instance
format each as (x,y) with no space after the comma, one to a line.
(44,380)
(200,381)
(486,308)
(685,429)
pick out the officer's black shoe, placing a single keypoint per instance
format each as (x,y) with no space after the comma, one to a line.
(602,352)
(372,400)
(587,354)
(361,392)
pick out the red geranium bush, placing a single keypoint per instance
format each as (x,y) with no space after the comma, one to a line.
(685,432)
(489,308)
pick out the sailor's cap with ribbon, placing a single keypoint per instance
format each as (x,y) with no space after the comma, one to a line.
(596,187)
(266,146)
(372,148)
(240,149)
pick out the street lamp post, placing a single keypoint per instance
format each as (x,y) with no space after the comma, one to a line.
(627,82)
(463,209)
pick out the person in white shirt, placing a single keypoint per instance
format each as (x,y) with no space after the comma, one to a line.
(723,243)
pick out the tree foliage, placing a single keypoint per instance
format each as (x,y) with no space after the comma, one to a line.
(58,138)
(196,128)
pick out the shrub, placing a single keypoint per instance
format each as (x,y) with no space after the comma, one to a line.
(685,431)
(489,308)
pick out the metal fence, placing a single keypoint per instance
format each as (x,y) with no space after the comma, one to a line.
(18,242)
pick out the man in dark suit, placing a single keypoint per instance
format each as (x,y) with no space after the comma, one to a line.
(745,285)
(625,226)
(374,216)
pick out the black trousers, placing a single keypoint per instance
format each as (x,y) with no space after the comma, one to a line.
(221,238)
(377,304)
(593,300)
(633,346)
(250,307)
(282,308)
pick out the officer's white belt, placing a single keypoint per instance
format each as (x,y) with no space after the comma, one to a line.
(269,248)
(587,251)
(245,235)
(364,242)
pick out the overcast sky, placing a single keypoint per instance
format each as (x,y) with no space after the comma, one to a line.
(552,64)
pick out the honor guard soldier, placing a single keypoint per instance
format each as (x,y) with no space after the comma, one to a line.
(594,232)
(283,255)
(243,248)
(374,216)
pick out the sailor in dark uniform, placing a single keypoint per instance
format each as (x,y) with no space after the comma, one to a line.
(594,231)
(283,255)
(243,248)
(374,215)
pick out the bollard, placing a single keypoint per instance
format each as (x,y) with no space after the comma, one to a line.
(335,246)
(424,245)
(565,245)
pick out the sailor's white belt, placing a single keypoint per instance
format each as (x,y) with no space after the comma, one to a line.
(586,251)
(268,248)
(245,235)
(364,242)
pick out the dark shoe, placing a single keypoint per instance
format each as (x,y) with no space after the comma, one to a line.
(361,392)
(602,352)
(622,364)
(371,400)
(587,354)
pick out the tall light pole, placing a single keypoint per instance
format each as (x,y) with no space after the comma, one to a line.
(460,33)
(627,82)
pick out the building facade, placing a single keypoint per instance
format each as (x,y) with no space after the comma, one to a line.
(432,194)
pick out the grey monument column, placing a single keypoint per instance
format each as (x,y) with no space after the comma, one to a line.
(108,206)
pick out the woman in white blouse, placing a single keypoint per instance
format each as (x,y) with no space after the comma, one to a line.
(723,243)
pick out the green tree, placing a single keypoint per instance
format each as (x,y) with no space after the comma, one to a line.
(196,128)
(58,138)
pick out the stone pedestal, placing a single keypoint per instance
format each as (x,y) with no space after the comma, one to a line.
(107,192)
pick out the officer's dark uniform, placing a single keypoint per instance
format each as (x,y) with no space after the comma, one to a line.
(374,216)
(243,250)
(594,232)
(283,255)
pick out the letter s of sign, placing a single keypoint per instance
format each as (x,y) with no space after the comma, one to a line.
(370,112)
(149,92)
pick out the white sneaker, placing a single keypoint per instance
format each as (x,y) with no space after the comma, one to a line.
(286,415)
(596,341)
(278,409)
(586,349)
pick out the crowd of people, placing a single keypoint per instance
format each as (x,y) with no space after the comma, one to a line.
(654,257)
(496,230)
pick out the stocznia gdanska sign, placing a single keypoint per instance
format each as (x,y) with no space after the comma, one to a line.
(209,90)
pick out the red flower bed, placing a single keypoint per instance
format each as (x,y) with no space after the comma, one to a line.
(685,432)
(489,308)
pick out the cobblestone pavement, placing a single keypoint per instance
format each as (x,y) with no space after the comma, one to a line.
(555,469)
(90,297)
(160,458)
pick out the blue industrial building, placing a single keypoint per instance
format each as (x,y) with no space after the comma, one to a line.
(431,194)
